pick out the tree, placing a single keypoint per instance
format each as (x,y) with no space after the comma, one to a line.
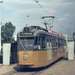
(7,31)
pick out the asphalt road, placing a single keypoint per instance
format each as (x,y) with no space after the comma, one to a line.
(61,67)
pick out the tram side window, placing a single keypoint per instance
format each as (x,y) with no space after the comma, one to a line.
(48,43)
(64,42)
(36,43)
(43,42)
(54,43)
(52,40)
(40,43)
(61,43)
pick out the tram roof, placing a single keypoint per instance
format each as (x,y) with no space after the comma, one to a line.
(39,30)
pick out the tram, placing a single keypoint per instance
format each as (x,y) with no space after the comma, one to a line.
(38,47)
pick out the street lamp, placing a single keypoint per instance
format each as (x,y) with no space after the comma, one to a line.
(0,30)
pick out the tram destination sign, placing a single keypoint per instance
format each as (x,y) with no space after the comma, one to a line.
(25,33)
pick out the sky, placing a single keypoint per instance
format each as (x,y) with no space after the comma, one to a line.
(22,12)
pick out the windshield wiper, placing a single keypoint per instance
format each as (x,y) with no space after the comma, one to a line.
(22,46)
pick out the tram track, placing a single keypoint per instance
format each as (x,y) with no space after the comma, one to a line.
(28,71)
(10,73)
(33,72)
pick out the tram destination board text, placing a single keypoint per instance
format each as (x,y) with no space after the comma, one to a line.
(23,33)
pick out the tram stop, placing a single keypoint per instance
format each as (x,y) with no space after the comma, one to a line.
(70,46)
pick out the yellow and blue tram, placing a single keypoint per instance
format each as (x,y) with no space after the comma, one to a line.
(38,47)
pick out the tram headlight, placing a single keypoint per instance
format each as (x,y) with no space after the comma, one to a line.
(25,57)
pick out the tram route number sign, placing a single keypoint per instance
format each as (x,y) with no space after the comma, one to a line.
(23,33)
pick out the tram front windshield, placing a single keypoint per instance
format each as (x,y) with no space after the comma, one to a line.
(26,43)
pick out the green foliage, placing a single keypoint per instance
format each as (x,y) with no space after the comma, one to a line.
(7,31)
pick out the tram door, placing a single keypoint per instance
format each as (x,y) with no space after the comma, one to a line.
(49,48)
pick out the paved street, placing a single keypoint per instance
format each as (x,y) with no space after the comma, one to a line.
(61,67)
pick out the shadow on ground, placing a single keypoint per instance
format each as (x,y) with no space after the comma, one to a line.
(65,58)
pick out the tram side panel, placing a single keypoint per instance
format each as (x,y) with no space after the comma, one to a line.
(39,58)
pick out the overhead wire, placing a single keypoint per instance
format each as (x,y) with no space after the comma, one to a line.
(49,14)
(61,25)
(43,8)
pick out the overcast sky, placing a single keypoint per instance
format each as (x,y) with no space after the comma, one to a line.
(16,11)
